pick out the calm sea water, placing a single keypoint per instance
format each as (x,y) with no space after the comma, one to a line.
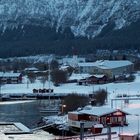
(27,113)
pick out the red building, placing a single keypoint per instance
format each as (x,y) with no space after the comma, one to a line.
(94,79)
(97,79)
(97,115)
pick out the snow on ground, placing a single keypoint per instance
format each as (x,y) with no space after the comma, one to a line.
(38,135)
(15,102)
(113,88)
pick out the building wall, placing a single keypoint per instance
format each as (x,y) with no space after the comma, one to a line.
(88,69)
(108,72)
(11,80)
(128,138)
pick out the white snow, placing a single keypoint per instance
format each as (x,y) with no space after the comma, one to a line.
(131,88)
(85,17)
(9,74)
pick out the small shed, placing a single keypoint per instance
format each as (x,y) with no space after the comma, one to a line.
(97,79)
(96,128)
(127,136)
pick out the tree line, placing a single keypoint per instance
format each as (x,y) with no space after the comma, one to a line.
(45,40)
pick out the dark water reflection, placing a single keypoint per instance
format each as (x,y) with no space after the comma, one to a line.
(27,113)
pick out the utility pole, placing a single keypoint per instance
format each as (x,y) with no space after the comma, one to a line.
(81,131)
(0,86)
(109,131)
(138,123)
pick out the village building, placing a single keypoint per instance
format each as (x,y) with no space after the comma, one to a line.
(10,78)
(128,136)
(94,79)
(97,115)
(72,61)
(106,67)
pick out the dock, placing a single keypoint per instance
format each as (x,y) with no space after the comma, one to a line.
(31,96)
(12,128)
(85,136)
(42,127)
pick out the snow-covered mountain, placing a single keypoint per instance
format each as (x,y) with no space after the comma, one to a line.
(84,17)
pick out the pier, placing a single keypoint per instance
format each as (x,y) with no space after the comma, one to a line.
(31,96)
(12,128)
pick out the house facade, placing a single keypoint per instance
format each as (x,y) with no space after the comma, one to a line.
(94,79)
(97,115)
(10,78)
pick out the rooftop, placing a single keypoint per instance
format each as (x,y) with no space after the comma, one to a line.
(97,111)
(106,64)
(9,74)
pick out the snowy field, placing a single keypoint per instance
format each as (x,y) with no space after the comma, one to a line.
(113,88)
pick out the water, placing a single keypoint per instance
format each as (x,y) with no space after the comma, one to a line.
(27,112)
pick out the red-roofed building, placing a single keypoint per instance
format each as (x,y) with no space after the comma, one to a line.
(97,115)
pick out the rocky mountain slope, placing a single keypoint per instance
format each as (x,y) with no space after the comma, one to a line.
(48,26)
(84,17)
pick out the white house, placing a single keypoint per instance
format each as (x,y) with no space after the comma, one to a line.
(107,67)
(72,61)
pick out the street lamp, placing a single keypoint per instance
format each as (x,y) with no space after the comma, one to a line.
(62,109)
(138,122)
(115,92)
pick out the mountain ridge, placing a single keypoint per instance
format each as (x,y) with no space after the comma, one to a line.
(84,17)
(29,27)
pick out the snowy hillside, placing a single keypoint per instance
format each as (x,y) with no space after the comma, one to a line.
(84,17)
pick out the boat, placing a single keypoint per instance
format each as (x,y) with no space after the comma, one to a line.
(50,108)
(49,111)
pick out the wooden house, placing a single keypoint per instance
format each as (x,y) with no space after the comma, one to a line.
(97,79)
(94,79)
(10,78)
(97,115)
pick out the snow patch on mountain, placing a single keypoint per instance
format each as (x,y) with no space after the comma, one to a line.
(84,17)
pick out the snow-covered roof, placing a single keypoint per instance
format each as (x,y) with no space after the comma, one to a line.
(9,74)
(98,126)
(127,134)
(99,75)
(88,64)
(31,69)
(98,111)
(106,64)
(64,67)
(79,76)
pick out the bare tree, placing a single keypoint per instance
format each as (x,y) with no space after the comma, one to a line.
(32,77)
(59,76)
(43,80)
(74,101)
